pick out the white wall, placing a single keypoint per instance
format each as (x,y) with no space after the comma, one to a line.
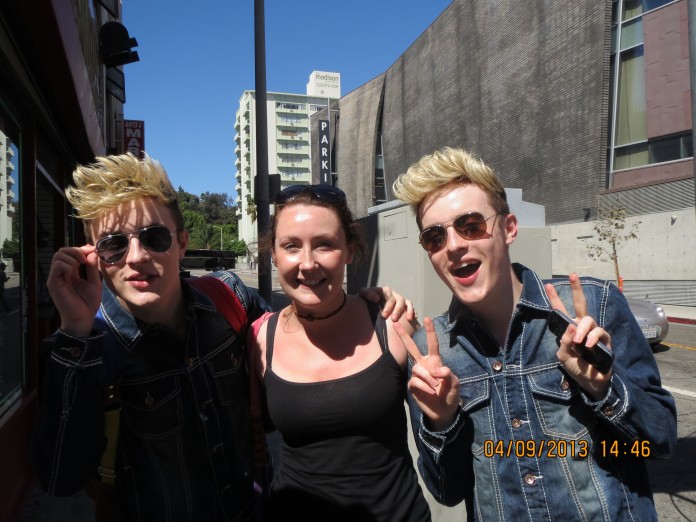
(665,249)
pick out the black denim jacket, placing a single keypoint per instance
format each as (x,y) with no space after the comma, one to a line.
(184,450)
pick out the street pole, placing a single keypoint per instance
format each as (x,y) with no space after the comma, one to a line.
(263,218)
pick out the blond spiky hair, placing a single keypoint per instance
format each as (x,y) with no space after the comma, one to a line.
(435,171)
(112,180)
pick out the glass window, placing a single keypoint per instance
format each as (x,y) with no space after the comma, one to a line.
(632,8)
(630,157)
(632,33)
(687,145)
(11,354)
(667,149)
(631,123)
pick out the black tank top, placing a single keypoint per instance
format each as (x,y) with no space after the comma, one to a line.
(344,452)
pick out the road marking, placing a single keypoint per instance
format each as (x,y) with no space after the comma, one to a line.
(682,346)
(680,392)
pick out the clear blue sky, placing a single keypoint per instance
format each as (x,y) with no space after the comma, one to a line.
(197,58)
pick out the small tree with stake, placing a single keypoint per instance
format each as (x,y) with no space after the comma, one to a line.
(612,234)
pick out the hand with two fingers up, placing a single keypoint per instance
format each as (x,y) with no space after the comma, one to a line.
(434,387)
(588,331)
(75,286)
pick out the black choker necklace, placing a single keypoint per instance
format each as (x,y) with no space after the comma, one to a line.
(312,317)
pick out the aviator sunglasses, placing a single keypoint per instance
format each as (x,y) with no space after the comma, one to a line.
(157,238)
(323,192)
(470,226)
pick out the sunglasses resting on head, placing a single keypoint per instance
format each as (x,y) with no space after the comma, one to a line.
(323,192)
(470,226)
(156,238)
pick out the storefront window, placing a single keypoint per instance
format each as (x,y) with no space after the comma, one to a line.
(11,360)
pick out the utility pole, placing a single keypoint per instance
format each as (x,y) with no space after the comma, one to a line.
(263,217)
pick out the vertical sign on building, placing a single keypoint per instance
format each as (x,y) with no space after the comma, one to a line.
(134,137)
(324,153)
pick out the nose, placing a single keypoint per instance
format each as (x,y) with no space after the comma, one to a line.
(137,253)
(454,240)
(307,260)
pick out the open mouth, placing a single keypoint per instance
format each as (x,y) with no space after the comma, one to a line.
(466,270)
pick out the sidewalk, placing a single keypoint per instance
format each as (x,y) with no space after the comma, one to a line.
(680,314)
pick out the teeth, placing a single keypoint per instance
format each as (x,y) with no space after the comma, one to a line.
(311,283)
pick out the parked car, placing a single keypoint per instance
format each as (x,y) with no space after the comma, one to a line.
(652,319)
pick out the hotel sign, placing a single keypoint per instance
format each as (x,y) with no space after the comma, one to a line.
(134,137)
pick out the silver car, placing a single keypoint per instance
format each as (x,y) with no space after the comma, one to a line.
(651,318)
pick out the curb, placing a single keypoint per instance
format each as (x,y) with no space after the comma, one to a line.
(681,320)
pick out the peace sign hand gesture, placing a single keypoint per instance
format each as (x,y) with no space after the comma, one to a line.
(434,387)
(589,379)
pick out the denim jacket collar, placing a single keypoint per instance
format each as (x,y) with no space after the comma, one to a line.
(127,329)
(533,297)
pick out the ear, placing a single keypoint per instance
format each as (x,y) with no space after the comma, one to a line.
(351,253)
(183,238)
(510,227)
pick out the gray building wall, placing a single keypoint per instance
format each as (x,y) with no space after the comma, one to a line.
(523,84)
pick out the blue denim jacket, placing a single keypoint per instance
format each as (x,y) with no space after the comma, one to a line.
(529,443)
(184,450)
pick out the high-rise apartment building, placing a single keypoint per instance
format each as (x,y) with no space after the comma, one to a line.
(289,154)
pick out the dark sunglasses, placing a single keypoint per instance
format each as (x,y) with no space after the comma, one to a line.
(470,226)
(322,192)
(111,249)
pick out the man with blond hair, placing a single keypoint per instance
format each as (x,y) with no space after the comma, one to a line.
(507,415)
(184,448)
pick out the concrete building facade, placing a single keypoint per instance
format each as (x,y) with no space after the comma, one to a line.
(289,154)
(583,106)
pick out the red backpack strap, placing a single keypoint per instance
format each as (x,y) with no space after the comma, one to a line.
(225,300)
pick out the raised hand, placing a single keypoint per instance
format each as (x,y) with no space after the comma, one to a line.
(76,296)
(395,304)
(433,386)
(592,381)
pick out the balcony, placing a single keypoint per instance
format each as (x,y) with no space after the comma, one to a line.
(292,135)
(292,122)
(290,163)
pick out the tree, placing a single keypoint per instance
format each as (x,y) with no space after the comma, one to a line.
(612,234)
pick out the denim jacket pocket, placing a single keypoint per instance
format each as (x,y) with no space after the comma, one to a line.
(152,409)
(561,411)
(225,368)
(475,398)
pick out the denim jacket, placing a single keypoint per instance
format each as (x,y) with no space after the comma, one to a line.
(184,450)
(528,443)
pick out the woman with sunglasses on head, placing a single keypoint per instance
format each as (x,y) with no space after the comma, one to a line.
(334,375)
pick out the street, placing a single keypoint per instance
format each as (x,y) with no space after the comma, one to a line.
(674,479)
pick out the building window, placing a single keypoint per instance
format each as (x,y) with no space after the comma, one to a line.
(629,146)
(293,106)
(631,123)
(290,118)
(380,192)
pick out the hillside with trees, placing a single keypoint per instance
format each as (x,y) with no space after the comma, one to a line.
(205,216)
